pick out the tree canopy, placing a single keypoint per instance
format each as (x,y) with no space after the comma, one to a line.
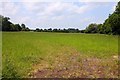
(110,26)
(6,25)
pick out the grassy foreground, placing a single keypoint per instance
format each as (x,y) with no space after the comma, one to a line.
(32,54)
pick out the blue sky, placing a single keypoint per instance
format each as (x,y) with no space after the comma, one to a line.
(73,14)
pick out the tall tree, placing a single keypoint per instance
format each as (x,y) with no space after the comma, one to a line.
(18,27)
(112,24)
(92,28)
(6,24)
(117,10)
(23,27)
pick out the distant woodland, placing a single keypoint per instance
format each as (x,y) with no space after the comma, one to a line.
(110,26)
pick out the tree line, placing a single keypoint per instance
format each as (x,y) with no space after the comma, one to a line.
(110,26)
(69,30)
(6,25)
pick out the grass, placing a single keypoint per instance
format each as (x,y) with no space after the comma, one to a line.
(23,52)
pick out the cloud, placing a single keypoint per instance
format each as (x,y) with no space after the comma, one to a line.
(53,8)
(59,0)
(35,14)
(57,8)
(9,8)
(98,0)
(83,8)
(24,19)
(58,17)
(1,12)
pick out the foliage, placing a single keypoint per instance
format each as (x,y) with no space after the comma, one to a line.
(24,28)
(110,26)
(114,22)
(69,30)
(92,28)
(6,25)
(117,11)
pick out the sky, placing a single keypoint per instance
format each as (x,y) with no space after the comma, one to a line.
(57,14)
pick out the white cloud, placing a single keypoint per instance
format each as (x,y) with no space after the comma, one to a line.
(24,19)
(88,19)
(9,8)
(98,0)
(83,9)
(49,9)
(58,17)
(32,6)
(35,14)
(52,8)
(1,12)
(60,0)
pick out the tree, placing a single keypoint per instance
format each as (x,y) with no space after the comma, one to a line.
(65,30)
(82,31)
(99,28)
(112,24)
(1,17)
(50,30)
(92,28)
(37,29)
(106,27)
(6,24)
(45,30)
(55,30)
(117,10)
(23,27)
(18,27)
(27,29)
(12,27)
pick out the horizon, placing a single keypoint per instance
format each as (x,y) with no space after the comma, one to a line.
(45,15)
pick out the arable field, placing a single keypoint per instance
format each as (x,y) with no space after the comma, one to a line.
(62,55)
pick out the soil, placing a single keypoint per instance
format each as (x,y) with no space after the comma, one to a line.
(76,66)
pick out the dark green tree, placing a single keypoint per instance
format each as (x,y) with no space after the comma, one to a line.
(92,28)
(50,30)
(112,24)
(23,27)
(117,11)
(6,24)
(18,27)
(37,30)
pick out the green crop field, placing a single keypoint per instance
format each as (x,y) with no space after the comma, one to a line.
(35,54)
